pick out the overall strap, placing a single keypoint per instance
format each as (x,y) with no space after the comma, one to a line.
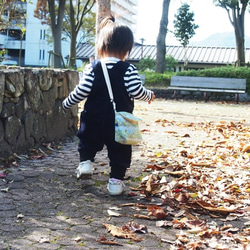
(107,80)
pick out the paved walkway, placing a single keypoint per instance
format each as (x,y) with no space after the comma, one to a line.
(43,206)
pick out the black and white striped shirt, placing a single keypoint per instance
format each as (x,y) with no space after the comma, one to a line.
(132,83)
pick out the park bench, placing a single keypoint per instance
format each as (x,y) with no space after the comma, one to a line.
(208,84)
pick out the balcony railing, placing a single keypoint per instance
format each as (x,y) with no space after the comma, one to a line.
(12,44)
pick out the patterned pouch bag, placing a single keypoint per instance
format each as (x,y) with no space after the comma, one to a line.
(127,129)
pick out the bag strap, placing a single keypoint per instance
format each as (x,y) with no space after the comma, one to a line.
(107,80)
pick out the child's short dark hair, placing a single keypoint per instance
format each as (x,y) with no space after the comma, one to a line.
(114,38)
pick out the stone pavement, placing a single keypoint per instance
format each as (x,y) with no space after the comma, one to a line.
(43,206)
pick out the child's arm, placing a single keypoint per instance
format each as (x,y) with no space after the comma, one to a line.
(134,85)
(81,91)
(153,98)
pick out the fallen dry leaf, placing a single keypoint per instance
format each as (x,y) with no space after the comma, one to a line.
(123,232)
(141,216)
(113,213)
(104,241)
(157,212)
(135,227)
(215,209)
(209,177)
(196,226)
(246,148)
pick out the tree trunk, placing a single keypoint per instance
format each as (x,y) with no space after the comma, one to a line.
(57,49)
(161,43)
(56,27)
(236,14)
(103,8)
(239,31)
(20,50)
(240,47)
(76,15)
(72,53)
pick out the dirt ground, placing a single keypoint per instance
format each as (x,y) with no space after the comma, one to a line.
(185,112)
(44,206)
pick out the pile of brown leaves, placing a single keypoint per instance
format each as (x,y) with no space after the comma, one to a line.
(198,180)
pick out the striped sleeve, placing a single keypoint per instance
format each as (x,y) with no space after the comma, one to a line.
(134,85)
(82,90)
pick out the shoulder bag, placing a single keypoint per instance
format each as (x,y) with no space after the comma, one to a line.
(127,129)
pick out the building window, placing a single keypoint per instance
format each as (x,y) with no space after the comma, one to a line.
(44,33)
(41,54)
(41,34)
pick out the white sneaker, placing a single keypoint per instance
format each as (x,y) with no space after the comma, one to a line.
(115,186)
(85,169)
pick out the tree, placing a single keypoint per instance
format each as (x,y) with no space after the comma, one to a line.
(171,63)
(76,11)
(52,12)
(160,42)
(22,33)
(184,27)
(103,9)
(12,22)
(8,12)
(146,63)
(236,12)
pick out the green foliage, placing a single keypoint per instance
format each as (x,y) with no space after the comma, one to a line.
(157,80)
(226,4)
(88,28)
(224,72)
(11,10)
(3,52)
(80,69)
(146,64)
(171,63)
(184,27)
(236,12)
(84,20)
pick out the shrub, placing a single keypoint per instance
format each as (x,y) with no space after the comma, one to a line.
(146,64)
(171,63)
(157,80)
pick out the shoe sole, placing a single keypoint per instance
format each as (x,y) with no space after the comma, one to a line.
(84,176)
(115,194)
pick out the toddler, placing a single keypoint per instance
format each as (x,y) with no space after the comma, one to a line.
(97,129)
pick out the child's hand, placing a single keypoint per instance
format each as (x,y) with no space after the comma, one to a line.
(153,97)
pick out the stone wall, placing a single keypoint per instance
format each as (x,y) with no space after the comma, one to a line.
(30,108)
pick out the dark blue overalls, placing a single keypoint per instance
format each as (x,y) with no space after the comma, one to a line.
(97,120)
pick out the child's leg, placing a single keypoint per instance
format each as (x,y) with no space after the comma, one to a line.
(87,150)
(90,138)
(120,159)
(89,144)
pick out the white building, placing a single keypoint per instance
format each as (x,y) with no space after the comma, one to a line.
(11,39)
(36,50)
(34,47)
(126,12)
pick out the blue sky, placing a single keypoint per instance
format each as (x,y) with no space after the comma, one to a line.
(211,19)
